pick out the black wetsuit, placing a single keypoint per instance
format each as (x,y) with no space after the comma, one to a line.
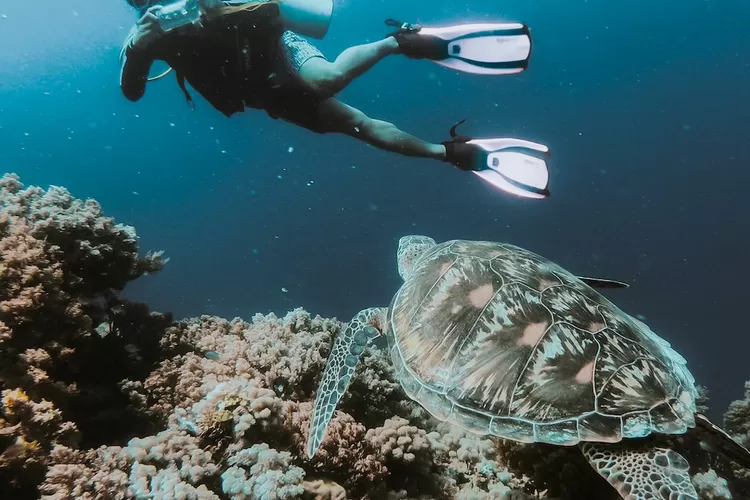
(231,62)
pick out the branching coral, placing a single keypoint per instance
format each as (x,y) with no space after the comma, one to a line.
(397,440)
(285,356)
(262,472)
(62,264)
(166,466)
(28,431)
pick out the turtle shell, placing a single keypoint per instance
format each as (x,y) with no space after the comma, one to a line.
(502,341)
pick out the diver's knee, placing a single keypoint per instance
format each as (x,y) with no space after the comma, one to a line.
(355,124)
(325,79)
(359,123)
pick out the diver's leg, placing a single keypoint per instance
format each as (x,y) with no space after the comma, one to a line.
(308,66)
(329,78)
(336,116)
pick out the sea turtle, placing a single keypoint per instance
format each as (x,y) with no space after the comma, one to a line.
(501,341)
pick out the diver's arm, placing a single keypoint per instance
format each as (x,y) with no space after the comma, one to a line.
(134,71)
(137,54)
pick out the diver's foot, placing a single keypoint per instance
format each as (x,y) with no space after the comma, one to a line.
(463,155)
(414,45)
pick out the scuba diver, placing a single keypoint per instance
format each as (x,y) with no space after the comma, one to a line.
(252,54)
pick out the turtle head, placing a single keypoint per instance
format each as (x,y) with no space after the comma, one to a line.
(410,249)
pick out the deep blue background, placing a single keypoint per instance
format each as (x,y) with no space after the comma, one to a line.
(644,105)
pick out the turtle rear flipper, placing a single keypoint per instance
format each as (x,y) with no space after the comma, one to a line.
(721,442)
(639,470)
(603,282)
(345,354)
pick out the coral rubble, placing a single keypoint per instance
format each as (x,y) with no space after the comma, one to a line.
(103,399)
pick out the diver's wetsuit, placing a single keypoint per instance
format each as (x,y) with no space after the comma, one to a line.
(237,61)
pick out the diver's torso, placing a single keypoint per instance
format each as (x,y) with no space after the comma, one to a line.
(227,61)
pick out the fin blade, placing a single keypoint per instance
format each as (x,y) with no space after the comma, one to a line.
(496,180)
(455,31)
(516,166)
(518,172)
(469,67)
(523,170)
(485,48)
(603,282)
(501,143)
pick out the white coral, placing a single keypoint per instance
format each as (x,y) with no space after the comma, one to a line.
(243,401)
(711,486)
(271,475)
(399,440)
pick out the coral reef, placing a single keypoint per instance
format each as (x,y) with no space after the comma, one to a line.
(66,340)
(236,405)
(103,399)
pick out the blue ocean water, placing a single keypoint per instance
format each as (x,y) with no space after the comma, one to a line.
(644,105)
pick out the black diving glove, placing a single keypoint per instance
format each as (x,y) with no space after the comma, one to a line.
(414,45)
(461,154)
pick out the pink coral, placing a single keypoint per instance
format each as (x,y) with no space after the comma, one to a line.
(28,431)
(284,354)
(71,477)
(241,403)
(346,454)
(325,490)
(262,472)
(399,440)
(168,465)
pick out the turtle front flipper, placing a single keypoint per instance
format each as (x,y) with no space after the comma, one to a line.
(640,471)
(345,354)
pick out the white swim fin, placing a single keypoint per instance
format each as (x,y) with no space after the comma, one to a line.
(513,165)
(482,48)
(516,166)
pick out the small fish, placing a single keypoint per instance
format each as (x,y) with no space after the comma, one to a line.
(212,355)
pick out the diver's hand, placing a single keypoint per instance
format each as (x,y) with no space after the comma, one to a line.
(149,29)
(210,8)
